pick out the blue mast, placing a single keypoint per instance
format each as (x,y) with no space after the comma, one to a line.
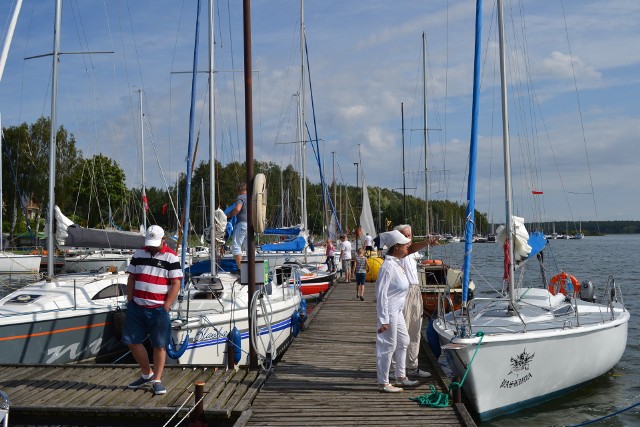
(187,197)
(473,154)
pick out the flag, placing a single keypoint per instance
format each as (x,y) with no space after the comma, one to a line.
(536,192)
(164,209)
(144,202)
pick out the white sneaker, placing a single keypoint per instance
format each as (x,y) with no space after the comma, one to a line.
(388,388)
(419,373)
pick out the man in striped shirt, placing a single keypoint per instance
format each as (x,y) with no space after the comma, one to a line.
(153,285)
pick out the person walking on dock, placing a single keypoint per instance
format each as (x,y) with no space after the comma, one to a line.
(360,269)
(330,249)
(345,257)
(413,308)
(368,244)
(391,291)
(152,287)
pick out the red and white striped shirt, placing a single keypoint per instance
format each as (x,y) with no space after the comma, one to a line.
(153,275)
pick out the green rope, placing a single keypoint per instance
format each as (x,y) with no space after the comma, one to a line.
(435,399)
(455,385)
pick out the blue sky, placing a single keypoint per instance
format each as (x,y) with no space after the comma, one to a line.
(366,60)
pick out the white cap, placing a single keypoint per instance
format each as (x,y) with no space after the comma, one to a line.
(394,237)
(155,233)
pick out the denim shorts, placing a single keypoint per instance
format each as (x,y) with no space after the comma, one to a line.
(360,278)
(140,322)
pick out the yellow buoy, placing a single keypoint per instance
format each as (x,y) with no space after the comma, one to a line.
(374,267)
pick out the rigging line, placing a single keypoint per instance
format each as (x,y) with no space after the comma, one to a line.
(584,138)
(233,67)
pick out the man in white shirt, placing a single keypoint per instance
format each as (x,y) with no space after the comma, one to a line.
(345,257)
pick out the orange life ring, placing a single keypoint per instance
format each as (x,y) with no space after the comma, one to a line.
(432,262)
(558,282)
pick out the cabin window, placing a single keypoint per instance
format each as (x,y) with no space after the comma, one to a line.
(112,291)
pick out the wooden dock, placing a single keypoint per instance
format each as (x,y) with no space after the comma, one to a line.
(98,394)
(328,375)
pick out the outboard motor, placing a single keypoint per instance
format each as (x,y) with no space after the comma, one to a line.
(587,291)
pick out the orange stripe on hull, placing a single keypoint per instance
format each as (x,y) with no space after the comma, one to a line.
(58,331)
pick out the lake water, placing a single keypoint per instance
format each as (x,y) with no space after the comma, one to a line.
(591,258)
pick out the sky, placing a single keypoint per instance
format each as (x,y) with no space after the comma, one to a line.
(573,87)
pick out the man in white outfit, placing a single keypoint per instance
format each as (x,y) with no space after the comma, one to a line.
(392,339)
(413,308)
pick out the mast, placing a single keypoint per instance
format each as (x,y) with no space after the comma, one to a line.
(248,123)
(303,120)
(52,141)
(404,178)
(507,154)
(473,148)
(212,147)
(424,135)
(144,191)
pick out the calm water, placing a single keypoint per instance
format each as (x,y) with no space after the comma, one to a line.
(591,258)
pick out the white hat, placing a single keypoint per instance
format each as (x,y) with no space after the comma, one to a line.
(390,238)
(155,233)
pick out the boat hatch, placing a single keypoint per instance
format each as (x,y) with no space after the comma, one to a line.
(24,299)
(207,283)
(564,311)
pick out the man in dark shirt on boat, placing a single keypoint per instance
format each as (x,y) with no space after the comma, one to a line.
(239,236)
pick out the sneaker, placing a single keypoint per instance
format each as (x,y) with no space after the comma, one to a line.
(388,388)
(406,382)
(140,382)
(158,388)
(419,373)
(361,298)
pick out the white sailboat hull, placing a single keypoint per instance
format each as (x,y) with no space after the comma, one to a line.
(513,368)
(208,323)
(19,264)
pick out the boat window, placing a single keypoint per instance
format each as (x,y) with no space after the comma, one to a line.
(111,291)
(24,299)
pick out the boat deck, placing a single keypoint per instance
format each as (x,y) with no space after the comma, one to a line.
(326,377)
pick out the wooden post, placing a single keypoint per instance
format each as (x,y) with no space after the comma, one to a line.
(198,419)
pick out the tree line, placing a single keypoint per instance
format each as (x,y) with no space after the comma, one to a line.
(93,193)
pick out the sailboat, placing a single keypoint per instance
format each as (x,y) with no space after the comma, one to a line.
(217,317)
(66,318)
(531,344)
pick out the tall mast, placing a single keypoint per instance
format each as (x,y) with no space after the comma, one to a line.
(302,128)
(52,141)
(424,134)
(404,181)
(506,150)
(144,190)
(212,146)
(473,149)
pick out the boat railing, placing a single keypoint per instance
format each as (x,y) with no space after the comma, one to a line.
(612,294)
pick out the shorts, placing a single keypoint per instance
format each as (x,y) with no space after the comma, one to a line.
(140,322)
(346,264)
(239,237)
(360,278)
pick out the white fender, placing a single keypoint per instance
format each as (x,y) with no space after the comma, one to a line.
(259,202)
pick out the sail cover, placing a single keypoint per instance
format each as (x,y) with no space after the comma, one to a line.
(366,217)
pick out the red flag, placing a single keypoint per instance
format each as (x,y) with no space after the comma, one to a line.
(144,202)
(536,192)
(164,209)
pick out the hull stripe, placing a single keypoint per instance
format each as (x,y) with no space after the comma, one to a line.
(57,331)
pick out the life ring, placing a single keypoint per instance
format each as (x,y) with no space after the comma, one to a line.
(259,203)
(558,282)
(432,262)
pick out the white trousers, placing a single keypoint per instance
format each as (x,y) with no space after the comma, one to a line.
(412,313)
(392,343)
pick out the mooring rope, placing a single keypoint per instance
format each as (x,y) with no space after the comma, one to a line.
(455,384)
(435,399)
